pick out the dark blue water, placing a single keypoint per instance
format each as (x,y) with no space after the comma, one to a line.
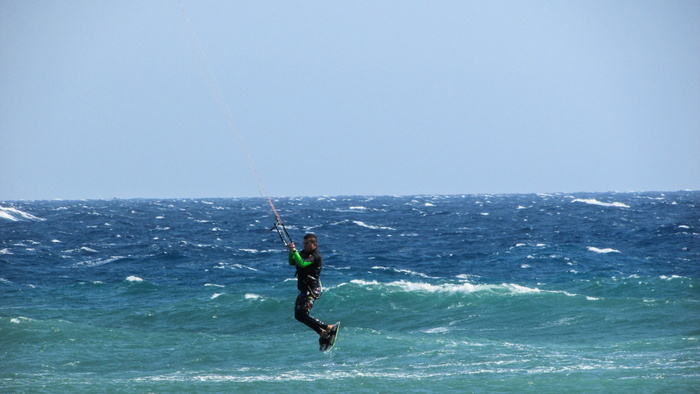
(478,293)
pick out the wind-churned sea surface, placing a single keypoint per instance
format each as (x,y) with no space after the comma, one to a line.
(585,292)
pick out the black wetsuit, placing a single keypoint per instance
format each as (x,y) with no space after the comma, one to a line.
(309,265)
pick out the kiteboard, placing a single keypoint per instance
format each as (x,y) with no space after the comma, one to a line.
(326,344)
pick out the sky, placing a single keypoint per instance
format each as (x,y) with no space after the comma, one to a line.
(149,99)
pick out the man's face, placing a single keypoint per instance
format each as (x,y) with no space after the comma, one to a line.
(309,245)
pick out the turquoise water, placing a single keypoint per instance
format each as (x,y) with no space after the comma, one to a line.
(536,293)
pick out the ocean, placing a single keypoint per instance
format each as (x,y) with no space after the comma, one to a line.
(570,292)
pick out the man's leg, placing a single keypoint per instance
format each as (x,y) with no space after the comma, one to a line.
(303,306)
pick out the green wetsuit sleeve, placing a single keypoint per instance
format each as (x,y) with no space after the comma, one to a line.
(293,255)
(295,259)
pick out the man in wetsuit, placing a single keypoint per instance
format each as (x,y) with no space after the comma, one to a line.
(309,263)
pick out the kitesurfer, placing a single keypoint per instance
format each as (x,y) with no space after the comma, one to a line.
(309,263)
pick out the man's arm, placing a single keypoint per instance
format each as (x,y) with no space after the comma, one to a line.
(295,259)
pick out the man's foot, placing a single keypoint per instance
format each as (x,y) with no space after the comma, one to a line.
(326,342)
(330,330)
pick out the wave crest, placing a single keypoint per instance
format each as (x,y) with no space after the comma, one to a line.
(16,215)
(449,288)
(593,201)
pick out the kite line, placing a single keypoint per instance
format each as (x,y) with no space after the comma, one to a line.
(218,97)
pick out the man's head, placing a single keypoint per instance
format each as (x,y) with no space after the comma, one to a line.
(310,242)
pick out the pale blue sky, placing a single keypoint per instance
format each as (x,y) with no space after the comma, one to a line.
(104,99)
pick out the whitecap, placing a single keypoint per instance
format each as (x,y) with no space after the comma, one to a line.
(465,287)
(441,288)
(518,289)
(16,215)
(5,251)
(251,296)
(437,330)
(664,277)
(132,278)
(18,320)
(401,271)
(462,288)
(363,224)
(606,250)
(467,276)
(97,262)
(593,201)
(216,295)
(362,282)
(234,266)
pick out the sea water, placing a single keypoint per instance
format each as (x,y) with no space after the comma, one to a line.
(585,292)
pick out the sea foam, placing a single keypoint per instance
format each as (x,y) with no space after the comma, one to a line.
(98,262)
(363,224)
(16,215)
(451,288)
(593,201)
(606,250)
